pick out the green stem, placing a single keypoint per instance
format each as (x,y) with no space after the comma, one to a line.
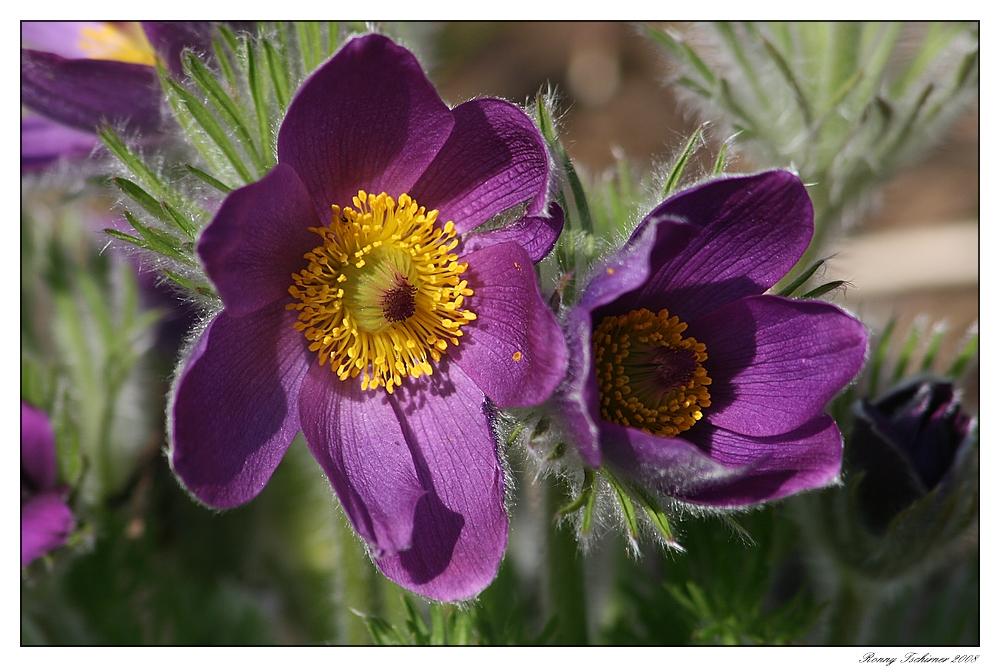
(848,614)
(565,589)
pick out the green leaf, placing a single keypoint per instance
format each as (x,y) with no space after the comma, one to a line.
(823,289)
(143,199)
(180,221)
(258,94)
(383,633)
(211,127)
(190,285)
(579,196)
(134,163)
(224,105)
(962,360)
(791,80)
(677,170)
(720,160)
(279,77)
(801,278)
(209,179)
(932,350)
(904,356)
(875,367)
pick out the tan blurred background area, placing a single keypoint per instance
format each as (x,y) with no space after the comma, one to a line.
(916,256)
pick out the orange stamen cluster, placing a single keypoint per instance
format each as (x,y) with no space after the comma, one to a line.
(650,377)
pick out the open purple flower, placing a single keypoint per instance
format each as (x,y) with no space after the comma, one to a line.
(46,520)
(685,377)
(78,75)
(379,324)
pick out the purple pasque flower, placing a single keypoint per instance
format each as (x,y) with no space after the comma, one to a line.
(46,520)
(685,377)
(905,443)
(78,75)
(379,324)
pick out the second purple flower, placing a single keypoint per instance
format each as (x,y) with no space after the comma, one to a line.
(685,378)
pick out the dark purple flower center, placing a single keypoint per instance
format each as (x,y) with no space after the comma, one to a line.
(649,376)
(399,301)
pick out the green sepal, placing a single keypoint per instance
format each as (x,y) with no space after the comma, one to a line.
(279,77)
(579,195)
(625,502)
(657,516)
(962,360)
(190,285)
(904,355)
(137,194)
(823,289)
(204,118)
(258,93)
(793,82)
(677,170)
(933,347)
(383,633)
(225,107)
(586,500)
(208,178)
(149,179)
(800,279)
(875,367)
(158,241)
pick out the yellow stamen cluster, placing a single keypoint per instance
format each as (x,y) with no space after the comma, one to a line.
(125,42)
(383,293)
(650,377)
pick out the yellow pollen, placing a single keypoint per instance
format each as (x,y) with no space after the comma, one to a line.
(649,376)
(382,296)
(517,356)
(125,42)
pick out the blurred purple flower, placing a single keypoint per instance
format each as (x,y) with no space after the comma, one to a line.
(379,331)
(78,75)
(685,377)
(46,520)
(905,443)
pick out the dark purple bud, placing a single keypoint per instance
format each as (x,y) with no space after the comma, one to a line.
(904,443)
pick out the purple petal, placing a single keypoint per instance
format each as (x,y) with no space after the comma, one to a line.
(258,239)
(624,271)
(717,467)
(775,362)
(233,413)
(86,93)
(368,119)
(536,234)
(514,350)
(63,38)
(46,524)
(45,141)
(750,232)
(38,448)
(356,436)
(169,38)
(459,526)
(494,159)
(575,402)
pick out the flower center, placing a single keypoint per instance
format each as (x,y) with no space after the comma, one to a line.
(649,376)
(124,42)
(383,292)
